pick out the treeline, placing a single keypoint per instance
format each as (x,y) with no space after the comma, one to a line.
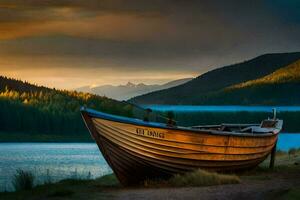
(268,94)
(39,110)
(20,86)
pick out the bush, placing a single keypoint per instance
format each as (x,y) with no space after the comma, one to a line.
(203,178)
(23,180)
(281,153)
(109,180)
(61,193)
(292,152)
(193,179)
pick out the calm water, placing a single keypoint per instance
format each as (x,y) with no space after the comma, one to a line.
(288,140)
(69,160)
(182,108)
(62,160)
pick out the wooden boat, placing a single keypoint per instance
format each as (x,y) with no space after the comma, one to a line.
(137,150)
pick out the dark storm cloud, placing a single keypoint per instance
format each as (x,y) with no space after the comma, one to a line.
(143,33)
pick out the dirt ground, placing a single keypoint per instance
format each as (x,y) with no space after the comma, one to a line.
(263,188)
(246,190)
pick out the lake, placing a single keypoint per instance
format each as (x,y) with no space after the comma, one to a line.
(187,108)
(70,160)
(61,160)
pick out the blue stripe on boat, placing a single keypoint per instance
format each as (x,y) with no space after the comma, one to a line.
(122,119)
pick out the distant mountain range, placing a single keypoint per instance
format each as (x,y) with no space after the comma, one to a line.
(124,92)
(265,80)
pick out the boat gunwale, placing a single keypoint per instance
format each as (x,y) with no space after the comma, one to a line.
(139,122)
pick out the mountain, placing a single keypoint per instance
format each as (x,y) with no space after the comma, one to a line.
(206,86)
(31,111)
(288,74)
(175,83)
(121,92)
(278,88)
(124,92)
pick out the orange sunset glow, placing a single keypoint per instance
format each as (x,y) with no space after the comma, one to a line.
(69,44)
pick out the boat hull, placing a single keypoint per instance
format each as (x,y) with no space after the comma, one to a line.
(137,152)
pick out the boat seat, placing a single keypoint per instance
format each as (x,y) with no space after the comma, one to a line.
(224,128)
(247,129)
(268,124)
(257,129)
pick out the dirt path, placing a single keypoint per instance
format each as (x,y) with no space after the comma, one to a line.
(245,190)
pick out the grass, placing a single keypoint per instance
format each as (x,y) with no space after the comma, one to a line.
(280,153)
(23,180)
(287,194)
(202,178)
(68,188)
(61,193)
(284,163)
(194,179)
(73,188)
(109,180)
(292,152)
(293,193)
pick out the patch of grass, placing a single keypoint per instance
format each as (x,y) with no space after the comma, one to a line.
(257,177)
(280,153)
(293,193)
(287,194)
(73,182)
(293,152)
(109,180)
(61,193)
(65,188)
(193,179)
(264,169)
(23,180)
(203,178)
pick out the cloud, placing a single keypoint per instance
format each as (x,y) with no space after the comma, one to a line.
(142,20)
(111,19)
(131,36)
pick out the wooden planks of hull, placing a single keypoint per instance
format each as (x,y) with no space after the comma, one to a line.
(136,152)
(189,137)
(176,157)
(181,146)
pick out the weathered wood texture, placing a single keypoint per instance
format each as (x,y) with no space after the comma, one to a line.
(136,152)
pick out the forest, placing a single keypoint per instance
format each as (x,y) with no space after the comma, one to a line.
(31,111)
(34,113)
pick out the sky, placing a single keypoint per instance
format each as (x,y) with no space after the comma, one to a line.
(73,43)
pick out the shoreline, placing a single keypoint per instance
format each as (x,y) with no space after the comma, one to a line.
(283,182)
